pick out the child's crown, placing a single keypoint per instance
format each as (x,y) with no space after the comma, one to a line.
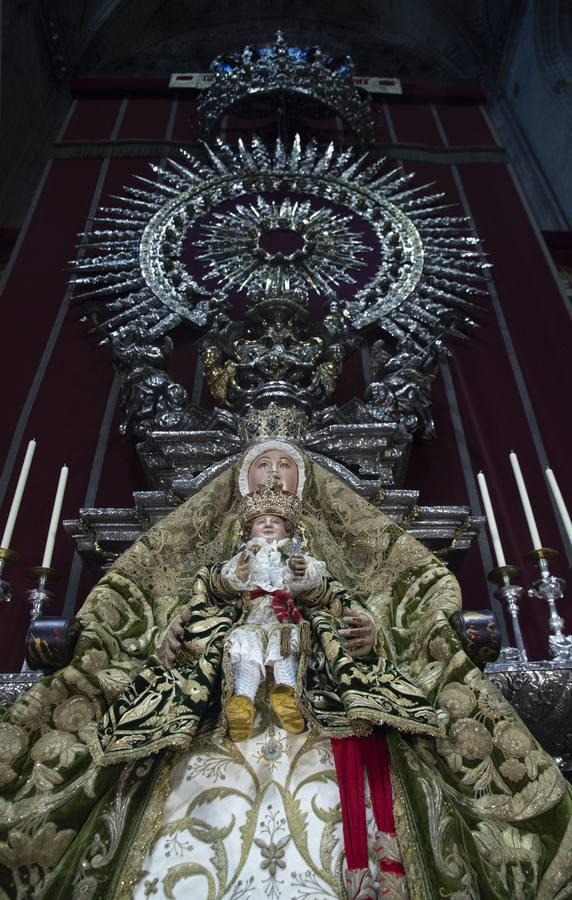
(269,498)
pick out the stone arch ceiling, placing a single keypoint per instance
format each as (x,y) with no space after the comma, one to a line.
(434,40)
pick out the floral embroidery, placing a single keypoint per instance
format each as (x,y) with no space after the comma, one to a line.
(73,714)
(271,751)
(151,887)
(7,774)
(512,769)
(93,660)
(458,699)
(194,690)
(13,742)
(57,745)
(512,739)
(504,847)
(33,709)
(113,682)
(44,848)
(491,703)
(272,851)
(42,779)
(439,649)
(471,739)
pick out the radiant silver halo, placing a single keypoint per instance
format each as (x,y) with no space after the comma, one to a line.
(426,267)
(236,256)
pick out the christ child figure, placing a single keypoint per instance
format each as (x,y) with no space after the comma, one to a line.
(270,573)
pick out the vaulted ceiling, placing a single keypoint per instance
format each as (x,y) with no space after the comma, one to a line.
(415,39)
(509,46)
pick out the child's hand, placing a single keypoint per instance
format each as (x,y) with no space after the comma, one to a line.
(298,566)
(242,567)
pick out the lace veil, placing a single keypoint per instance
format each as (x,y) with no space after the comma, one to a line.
(362,548)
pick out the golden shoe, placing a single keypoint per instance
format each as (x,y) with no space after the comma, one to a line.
(284,705)
(239,713)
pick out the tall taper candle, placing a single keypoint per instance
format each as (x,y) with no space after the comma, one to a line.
(16,500)
(530,521)
(560,503)
(492,522)
(54,521)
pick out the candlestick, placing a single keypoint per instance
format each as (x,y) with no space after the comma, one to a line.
(510,594)
(491,521)
(530,521)
(54,521)
(560,503)
(40,595)
(17,498)
(550,588)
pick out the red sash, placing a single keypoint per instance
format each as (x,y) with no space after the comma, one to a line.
(283,605)
(350,754)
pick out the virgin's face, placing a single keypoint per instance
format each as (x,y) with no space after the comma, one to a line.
(269,527)
(275,462)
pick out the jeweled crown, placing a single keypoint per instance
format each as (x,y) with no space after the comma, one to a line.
(269,498)
(279,67)
(273,421)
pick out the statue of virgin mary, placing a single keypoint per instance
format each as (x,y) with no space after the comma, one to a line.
(120,781)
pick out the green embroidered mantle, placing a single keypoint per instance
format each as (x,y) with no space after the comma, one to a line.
(482,811)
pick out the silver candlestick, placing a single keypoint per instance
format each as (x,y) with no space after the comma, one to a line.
(549,588)
(40,595)
(510,595)
(6,556)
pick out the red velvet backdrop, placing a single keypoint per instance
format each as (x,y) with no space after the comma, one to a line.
(505,388)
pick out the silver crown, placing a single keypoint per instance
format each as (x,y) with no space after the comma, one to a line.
(273,421)
(306,71)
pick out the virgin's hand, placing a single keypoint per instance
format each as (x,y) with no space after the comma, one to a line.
(172,639)
(358,633)
(298,566)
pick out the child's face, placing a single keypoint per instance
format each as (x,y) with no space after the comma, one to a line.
(271,528)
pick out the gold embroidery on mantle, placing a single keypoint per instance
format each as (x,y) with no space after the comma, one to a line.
(150,822)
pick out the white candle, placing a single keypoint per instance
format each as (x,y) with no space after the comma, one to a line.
(54,521)
(560,503)
(530,521)
(492,522)
(11,521)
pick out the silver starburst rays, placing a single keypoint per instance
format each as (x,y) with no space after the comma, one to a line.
(328,249)
(179,244)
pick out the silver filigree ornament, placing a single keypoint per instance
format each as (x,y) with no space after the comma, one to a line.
(236,257)
(420,291)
